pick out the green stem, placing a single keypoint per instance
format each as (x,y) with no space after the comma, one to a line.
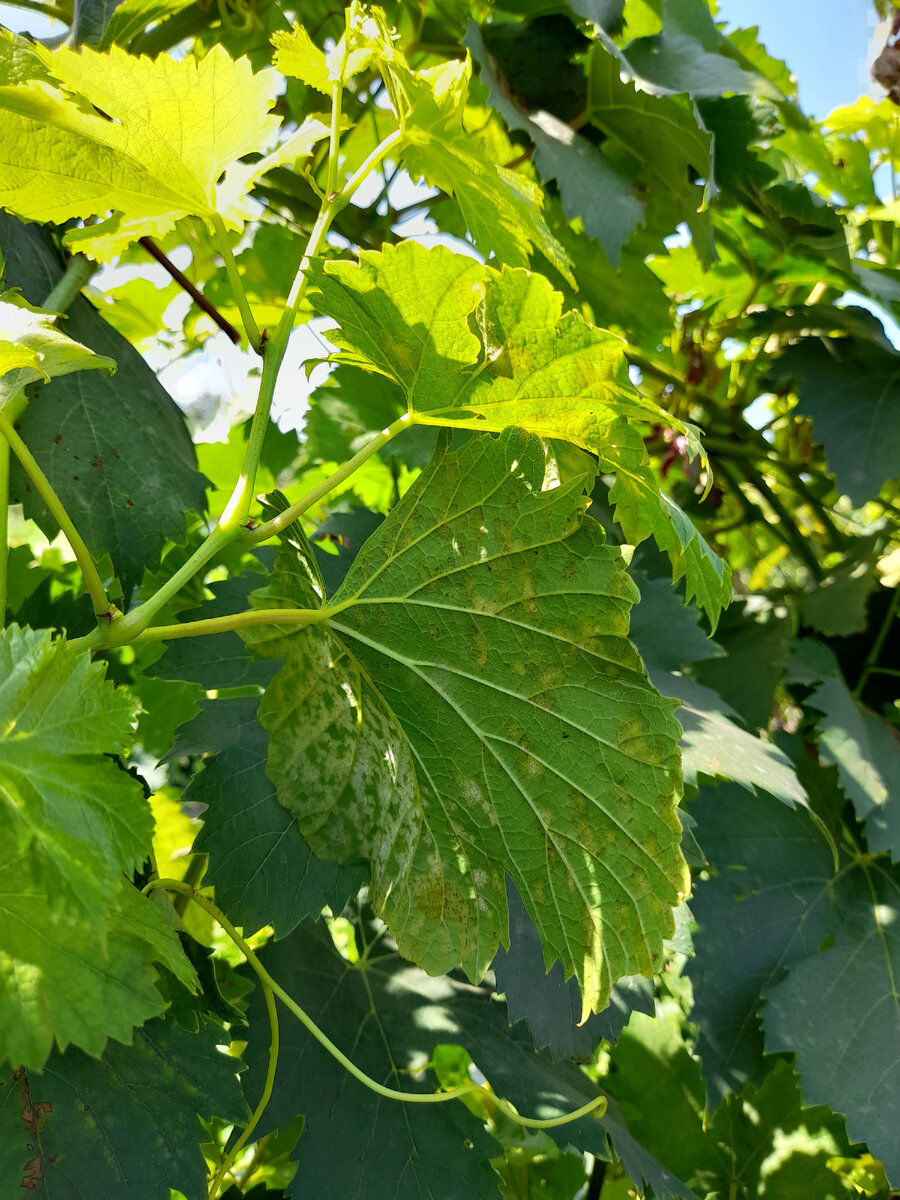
(237,287)
(4,528)
(877,646)
(228,1161)
(92,580)
(234,518)
(595,1107)
(77,273)
(230,622)
(277,524)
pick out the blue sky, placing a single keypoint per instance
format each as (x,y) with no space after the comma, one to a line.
(824,42)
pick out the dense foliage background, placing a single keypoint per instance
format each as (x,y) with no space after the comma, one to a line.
(660,182)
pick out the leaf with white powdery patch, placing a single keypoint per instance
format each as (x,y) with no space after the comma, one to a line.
(479,586)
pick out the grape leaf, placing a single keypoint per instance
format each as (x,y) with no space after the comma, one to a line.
(389,1017)
(263,871)
(130,18)
(125,493)
(662,133)
(591,187)
(63,159)
(69,978)
(849,388)
(569,785)
(667,632)
(865,749)
(33,348)
(712,744)
(551,1004)
(761,1142)
(846,1053)
(754,662)
(405,313)
(124,1126)
(397,1016)
(502,209)
(80,820)
(768,907)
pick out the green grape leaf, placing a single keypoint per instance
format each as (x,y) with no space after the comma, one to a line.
(667,633)
(263,871)
(389,1017)
(642,510)
(62,159)
(33,348)
(70,978)
(863,747)
(768,907)
(480,585)
(19,60)
(123,1126)
(715,746)
(663,134)
(591,187)
(126,493)
(850,390)
(845,1051)
(410,314)
(130,18)
(691,55)
(550,1003)
(502,209)
(64,803)
(754,662)
(762,1140)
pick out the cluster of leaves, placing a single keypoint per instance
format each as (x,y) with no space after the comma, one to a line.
(477,754)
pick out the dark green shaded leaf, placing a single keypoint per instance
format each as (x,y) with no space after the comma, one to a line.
(551,1004)
(389,1017)
(116,450)
(846,1052)
(713,745)
(756,654)
(851,390)
(661,134)
(667,632)
(124,1126)
(768,907)
(591,187)
(865,749)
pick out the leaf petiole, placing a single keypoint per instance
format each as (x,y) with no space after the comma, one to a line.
(277,524)
(233,621)
(237,287)
(78,271)
(92,580)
